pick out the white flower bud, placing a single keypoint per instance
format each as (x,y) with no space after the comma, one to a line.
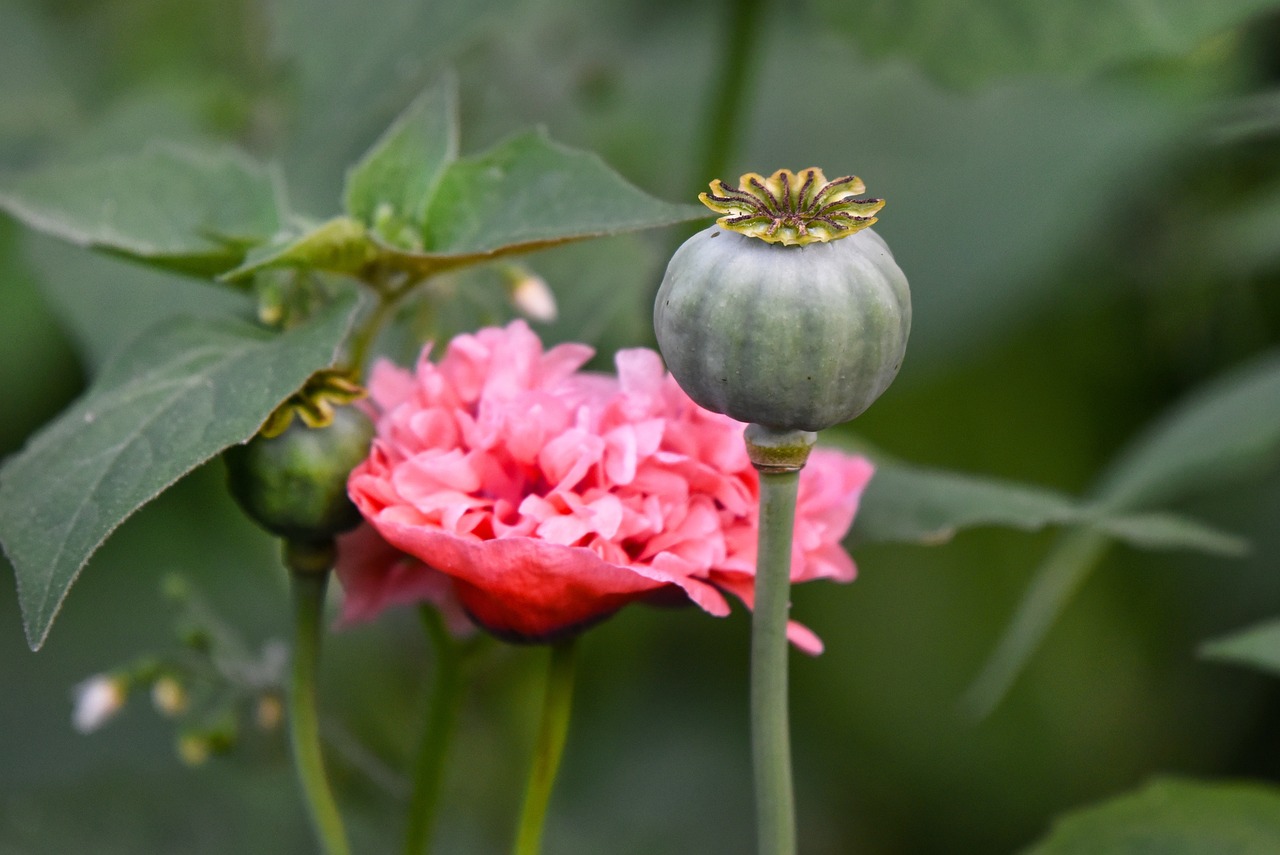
(97,700)
(530,294)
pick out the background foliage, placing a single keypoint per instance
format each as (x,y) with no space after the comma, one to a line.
(1086,205)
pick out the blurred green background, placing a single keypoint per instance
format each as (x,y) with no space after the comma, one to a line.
(1087,205)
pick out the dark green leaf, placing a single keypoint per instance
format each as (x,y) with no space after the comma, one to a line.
(907,503)
(397,177)
(1173,817)
(528,193)
(168,403)
(973,42)
(1053,584)
(175,207)
(1226,431)
(1256,647)
(105,302)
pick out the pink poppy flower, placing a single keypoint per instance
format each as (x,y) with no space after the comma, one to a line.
(547,497)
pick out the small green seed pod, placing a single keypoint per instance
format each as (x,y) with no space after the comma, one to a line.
(788,313)
(295,484)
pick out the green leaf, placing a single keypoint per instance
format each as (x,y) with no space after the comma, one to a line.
(187,209)
(969,43)
(529,193)
(105,302)
(398,175)
(1227,430)
(1061,573)
(912,504)
(1224,432)
(1257,647)
(174,399)
(1166,531)
(341,245)
(524,194)
(1173,817)
(353,66)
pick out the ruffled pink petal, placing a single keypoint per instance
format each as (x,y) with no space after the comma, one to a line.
(376,576)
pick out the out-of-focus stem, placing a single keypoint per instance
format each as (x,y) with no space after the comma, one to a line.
(438,725)
(552,731)
(308,589)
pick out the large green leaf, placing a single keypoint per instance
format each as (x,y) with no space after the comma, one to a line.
(1256,647)
(182,208)
(967,43)
(528,193)
(523,194)
(1173,817)
(34,101)
(353,67)
(1226,431)
(907,503)
(397,177)
(168,403)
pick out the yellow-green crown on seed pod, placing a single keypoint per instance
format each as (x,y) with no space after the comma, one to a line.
(793,208)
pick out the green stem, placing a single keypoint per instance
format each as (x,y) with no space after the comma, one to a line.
(308,609)
(438,725)
(363,338)
(737,51)
(550,744)
(778,456)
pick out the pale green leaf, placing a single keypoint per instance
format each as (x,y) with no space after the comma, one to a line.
(182,208)
(968,43)
(341,245)
(1173,817)
(1257,647)
(174,399)
(398,175)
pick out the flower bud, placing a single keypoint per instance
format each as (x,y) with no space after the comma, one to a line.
(97,700)
(295,484)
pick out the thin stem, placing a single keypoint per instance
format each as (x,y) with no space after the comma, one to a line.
(304,728)
(737,52)
(770,733)
(438,726)
(550,744)
(363,338)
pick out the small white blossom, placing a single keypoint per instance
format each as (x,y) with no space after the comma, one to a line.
(97,700)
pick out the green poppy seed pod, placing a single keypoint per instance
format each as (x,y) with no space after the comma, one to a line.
(789,313)
(294,484)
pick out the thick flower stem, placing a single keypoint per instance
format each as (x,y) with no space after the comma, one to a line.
(552,731)
(438,725)
(304,728)
(778,456)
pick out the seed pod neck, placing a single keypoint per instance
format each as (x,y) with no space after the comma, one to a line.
(773,451)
